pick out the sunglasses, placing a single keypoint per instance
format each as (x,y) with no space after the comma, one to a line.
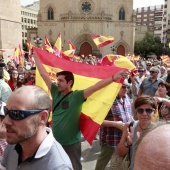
(20,114)
(147,110)
(140,71)
(152,72)
(125,87)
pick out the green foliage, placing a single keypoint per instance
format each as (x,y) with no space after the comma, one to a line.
(150,45)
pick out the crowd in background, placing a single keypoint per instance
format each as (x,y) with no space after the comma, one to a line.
(144,94)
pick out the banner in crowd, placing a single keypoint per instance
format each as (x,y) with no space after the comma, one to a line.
(97,105)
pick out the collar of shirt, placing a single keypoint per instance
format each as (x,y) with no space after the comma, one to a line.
(42,149)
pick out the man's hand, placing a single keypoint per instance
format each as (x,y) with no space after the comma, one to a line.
(121,75)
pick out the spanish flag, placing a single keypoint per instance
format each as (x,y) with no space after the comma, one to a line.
(108,60)
(68,54)
(71,46)
(18,56)
(1,50)
(97,105)
(47,41)
(49,49)
(164,57)
(117,61)
(102,41)
(58,46)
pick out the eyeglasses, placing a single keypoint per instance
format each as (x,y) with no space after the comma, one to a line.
(152,72)
(147,110)
(20,114)
(124,87)
(140,71)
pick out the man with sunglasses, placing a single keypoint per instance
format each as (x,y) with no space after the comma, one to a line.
(149,85)
(66,112)
(31,143)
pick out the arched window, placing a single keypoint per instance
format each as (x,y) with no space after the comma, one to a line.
(121,14)
(50,13)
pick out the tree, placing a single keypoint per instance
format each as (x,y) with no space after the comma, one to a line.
(150,45)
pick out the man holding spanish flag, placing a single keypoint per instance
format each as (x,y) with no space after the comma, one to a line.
(67,105)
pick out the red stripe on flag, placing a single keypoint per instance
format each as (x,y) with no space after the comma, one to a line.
(88,127)
(105,43)
(95,36)
(100,72)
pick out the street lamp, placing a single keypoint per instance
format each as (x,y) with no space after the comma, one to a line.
(37,41)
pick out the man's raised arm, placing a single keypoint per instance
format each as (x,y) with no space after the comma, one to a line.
(42,71)
(99,85)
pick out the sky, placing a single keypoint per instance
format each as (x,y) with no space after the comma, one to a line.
(137,3)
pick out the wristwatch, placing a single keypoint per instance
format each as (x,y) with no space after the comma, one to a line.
(127,145)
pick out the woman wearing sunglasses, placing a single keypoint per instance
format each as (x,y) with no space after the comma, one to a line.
(145,108)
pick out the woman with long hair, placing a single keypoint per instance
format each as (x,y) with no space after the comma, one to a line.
(14,82)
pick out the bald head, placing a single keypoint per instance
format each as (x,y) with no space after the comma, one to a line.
(153,150)
(30,97)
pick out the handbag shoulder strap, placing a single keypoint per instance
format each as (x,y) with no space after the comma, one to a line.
(61,100)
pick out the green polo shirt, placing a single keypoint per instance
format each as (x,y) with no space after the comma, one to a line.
(66,117)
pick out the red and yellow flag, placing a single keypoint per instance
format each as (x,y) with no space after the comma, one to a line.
(102,41)
(71,46)
(47,41)
(117,61)
(164,57)
(18,56)
(68,54)
(58,46)
(49,49)
(1,50)
(85,75)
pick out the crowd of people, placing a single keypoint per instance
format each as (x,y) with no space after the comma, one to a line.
(143,100)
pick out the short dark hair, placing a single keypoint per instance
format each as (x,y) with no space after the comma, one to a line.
(145,99)
(33,68)
(68,76)
(166,85)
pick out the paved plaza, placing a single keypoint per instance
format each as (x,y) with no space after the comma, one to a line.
(90,155)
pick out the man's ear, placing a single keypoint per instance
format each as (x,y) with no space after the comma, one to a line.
(70,82)
(44,115)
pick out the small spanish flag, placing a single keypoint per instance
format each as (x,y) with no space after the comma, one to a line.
(58,46)
(1,50)
(71,46)
(102,41)
(47,41)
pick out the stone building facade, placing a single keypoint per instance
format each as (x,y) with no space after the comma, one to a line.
(10,25)
(78,20)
